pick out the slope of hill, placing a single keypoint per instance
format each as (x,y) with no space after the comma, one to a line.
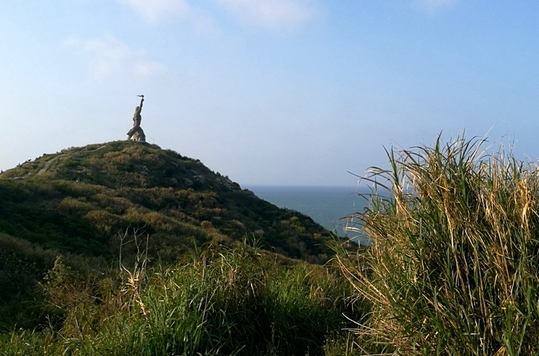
(87,204)
(83,200)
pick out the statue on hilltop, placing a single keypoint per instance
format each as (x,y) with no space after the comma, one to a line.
(136,133)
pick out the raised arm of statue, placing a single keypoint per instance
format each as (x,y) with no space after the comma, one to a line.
(141,102)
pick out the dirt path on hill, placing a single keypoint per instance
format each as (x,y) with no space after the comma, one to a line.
(49,162)
(47,165)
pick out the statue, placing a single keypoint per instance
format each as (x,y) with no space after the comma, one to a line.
(136,133)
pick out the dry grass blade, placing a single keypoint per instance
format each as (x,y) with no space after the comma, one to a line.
(136,278)
(452,266)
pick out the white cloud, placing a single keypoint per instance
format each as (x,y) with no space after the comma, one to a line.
(109,57)
(156,11)
(270,13)
(433,6)
(265,13)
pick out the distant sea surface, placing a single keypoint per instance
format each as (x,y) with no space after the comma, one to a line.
(325,205)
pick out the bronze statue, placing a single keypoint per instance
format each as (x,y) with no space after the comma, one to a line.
(136,133)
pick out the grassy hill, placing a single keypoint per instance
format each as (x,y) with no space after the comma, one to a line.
(93,205)
(81,200)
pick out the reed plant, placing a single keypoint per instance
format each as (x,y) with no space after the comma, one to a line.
(452,266)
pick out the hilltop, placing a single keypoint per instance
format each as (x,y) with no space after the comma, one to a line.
(83,199)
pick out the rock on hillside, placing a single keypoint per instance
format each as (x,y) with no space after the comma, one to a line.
(82,200)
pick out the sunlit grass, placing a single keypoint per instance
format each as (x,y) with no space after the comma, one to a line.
(452,269)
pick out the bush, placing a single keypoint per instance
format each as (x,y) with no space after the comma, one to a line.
(236,302)
(452,269)
(216,301)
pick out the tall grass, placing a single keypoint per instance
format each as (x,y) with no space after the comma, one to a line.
(452,269)
(216,301)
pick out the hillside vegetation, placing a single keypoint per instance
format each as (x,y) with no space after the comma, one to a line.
(74,226)
(82,199)
(216,301)
(451,269)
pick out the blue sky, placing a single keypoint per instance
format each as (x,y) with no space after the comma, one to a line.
(269,92)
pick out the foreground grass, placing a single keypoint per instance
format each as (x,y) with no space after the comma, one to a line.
(240,301)
(452,269)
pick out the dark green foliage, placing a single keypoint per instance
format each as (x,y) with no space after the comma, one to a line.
(241,301)
(21,265)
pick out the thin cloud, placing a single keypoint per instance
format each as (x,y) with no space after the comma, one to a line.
(108,57)
(274,14)
(434,6)
(157,11)
(270,13)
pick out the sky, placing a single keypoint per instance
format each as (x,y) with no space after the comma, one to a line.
(269,92)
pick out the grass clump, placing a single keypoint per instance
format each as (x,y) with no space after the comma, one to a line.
(452,268)
(216,301)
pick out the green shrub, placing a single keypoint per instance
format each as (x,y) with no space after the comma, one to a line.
(452,269)
(216,301)
(234,302)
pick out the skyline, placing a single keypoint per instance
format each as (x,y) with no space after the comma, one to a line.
(273,92)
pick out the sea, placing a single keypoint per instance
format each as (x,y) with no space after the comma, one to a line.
(331,207)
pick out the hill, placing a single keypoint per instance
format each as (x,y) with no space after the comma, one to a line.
(82,200)
(88,204)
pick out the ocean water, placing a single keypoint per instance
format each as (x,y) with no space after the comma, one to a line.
(331,207)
